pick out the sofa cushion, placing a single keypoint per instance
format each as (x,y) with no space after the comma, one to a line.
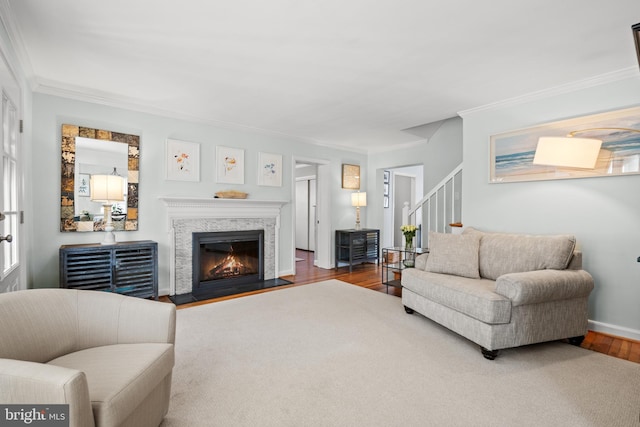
(120,376)
(503,253)
(453,254)
(473,297)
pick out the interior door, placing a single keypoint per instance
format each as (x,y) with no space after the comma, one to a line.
(10,272)
(302,215)
(312,215)
(306,214)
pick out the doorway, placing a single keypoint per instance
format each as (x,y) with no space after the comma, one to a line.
(311,184)
(406,184)
(306,192)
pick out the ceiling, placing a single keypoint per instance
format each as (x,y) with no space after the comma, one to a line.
(347,73)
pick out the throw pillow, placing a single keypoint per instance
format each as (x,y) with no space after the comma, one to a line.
(453,254)
(503,253)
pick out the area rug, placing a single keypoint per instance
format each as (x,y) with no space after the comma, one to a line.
(335,354)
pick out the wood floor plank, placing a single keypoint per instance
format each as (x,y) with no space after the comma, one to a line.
(625,350)
(634,354)
(602,344)
(614,349)
(588,340)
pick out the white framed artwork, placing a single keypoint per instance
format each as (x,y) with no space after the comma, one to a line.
(82,184)
(183,160)
(270,169)
(229,165)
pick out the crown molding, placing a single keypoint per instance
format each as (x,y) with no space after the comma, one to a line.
(590,82)
(7,17)
(83,94)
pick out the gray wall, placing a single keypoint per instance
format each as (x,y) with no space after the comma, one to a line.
(439,156)
(50,112)
(603,213)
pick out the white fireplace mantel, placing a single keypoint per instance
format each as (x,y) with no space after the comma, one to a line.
(209,207)
(208,212)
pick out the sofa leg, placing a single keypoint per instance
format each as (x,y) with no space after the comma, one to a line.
(489,354)
(408,310)
(576,340)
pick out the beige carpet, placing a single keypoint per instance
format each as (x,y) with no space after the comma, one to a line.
(334,354)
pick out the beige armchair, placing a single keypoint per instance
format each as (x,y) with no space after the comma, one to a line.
(108,356)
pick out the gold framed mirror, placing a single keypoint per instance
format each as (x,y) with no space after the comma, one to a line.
(86,151)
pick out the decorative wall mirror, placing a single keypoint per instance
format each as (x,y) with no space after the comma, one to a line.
(87,151)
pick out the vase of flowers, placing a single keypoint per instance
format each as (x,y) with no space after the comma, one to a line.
(409,232)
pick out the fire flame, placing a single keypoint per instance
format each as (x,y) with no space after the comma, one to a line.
(229,266)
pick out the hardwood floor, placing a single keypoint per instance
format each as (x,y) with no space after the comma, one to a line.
(370,276)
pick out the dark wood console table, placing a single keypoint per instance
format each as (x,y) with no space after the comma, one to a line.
(128,268)
(357,246)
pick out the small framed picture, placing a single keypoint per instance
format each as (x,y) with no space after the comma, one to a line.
(183,160)
(387,175)
(229,165)
(82,182)
(385,201)
(386,189)
(351,177)
(270,169)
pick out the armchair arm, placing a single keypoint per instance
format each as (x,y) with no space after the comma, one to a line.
(38,383)
(533,287)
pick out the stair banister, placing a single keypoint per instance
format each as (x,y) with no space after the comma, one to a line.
(430,205)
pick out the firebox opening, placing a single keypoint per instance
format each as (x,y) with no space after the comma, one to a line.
(227,262)
(224,260)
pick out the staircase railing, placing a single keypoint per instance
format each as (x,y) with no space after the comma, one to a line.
(439,207)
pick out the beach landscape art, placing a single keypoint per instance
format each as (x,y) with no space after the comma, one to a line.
(512,153)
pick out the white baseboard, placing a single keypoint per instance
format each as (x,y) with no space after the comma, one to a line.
(619,331)
(285,273)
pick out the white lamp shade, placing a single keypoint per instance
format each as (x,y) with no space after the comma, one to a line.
(106,188)
(567,152)
(358,199)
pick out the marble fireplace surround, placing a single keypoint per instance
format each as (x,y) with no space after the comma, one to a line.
(187,215)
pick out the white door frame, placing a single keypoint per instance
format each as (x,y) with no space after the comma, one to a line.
(394,201)
(323,201)
(15,278)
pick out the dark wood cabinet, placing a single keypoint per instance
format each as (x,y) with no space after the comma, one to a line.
(128,268)
(357,246)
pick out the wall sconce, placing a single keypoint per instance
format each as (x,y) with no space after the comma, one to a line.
(107,189)
(570,152)
(351,177)
(358,199)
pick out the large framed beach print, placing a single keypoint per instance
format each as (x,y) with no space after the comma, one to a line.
(512,153)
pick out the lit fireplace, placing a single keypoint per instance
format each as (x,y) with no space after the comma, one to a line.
(223,260)
(227,262)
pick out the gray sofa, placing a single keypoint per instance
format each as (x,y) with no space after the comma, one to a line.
(110,357)
(501,290)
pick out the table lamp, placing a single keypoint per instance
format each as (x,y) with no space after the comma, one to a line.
(358,199)
(107,189)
